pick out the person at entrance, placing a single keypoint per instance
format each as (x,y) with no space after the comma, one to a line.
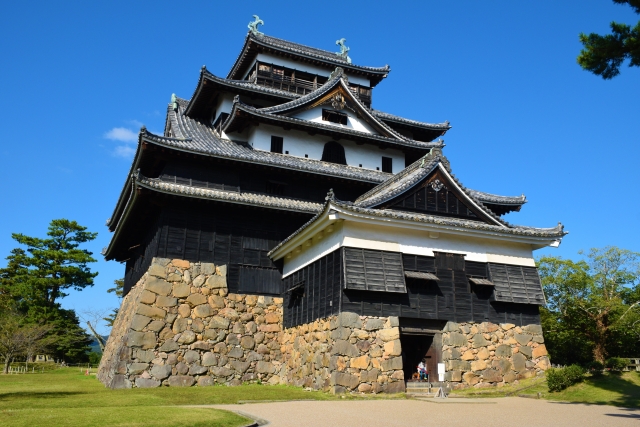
(422,370)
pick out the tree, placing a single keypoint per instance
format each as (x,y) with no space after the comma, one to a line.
(38,276)
(603,55)
(19,338)
(119,291)
(592,302)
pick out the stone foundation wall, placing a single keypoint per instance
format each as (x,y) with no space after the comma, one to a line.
(486,354)
(179,326)
(344,353)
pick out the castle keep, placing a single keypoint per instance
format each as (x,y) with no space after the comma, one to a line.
(282,230)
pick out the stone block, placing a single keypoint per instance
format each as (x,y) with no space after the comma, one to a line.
(191,356)
(523,339)
(456,376)
(533,329)
(470,378)
(139,322)
(209,359)
(153,312)
(540,351)
(147,297)
(374,324)
(361,362)
(451,327)
(393,348)
(272,318)
(458,365)
(161,371)
(229,313)
(216,282)
(370,376)
(265,367)
(221,270)
(180,263)
(221,371)
(365,388)
(182,368)
(203,311)
(168,346)
(156,325)
(502,365)
(147,383)
(391,364)
(181,290)
(236,352)
(206,381)
(247,342)
(509,377)
(491,376)
(232,339)
(187,337)
(527,351)
(349,320)
(163,301)
(181,381)
(488,327)
(363,346)
(507,326)
(519,362)
(543,363)
(158,270)
(136,368)
(198,370)
(141,339)
(345,348)
(216,301)
(455,339)
(145,356)
(395,387)
(341,334)
(468,355)
(388,334)
(184,310)
(196,299)
(479,341)
(207,268)
(240,367)
(483,354)
(180,325)
(478,365)
(198,281)
(337,389)
(343,379)
(218,322)
(503,350)
(158,286)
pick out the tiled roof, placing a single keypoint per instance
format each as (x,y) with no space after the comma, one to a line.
(392,117)
(495,199)
(195,136)
(556,232)
(305,51)
(414,174)
(245,198)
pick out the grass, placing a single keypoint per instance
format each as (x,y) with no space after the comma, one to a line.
(66,397)
(608,389)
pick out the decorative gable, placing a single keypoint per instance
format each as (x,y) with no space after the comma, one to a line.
(436,194)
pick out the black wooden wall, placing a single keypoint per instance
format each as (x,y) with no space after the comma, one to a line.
(234,235)
(452,298)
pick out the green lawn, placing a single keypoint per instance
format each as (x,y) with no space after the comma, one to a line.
(66,397)
(607,389)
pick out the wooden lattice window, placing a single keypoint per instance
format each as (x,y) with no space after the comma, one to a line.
(334,116)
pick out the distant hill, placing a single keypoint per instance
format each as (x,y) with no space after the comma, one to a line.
(95,347)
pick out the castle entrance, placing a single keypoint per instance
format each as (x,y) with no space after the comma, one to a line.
(420,340)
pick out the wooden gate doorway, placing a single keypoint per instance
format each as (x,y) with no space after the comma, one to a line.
(421,339)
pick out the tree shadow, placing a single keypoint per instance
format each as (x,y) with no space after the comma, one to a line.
(37,394)
(629,392)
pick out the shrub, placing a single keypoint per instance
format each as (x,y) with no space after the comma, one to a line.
(560,378)
(616,364)
(595,367)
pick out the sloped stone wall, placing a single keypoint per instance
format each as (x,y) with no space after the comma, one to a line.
(344,353)
(179,326)
(486,354)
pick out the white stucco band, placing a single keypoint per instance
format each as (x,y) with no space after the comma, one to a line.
(335,228)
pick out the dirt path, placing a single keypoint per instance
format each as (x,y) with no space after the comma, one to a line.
(509,412)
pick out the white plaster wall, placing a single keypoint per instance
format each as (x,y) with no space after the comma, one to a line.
(353,121)
(308,68)
(299,143)
(396,239)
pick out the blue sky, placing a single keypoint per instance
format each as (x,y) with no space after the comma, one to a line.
(80,78)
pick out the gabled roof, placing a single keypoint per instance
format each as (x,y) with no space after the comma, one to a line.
(415,174)
(254,44)
(541,236)
(208,84)
(336,85)
(430,131)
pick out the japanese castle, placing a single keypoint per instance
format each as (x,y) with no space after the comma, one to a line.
(282,230)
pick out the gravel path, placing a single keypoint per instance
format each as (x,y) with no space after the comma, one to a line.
(510,411)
